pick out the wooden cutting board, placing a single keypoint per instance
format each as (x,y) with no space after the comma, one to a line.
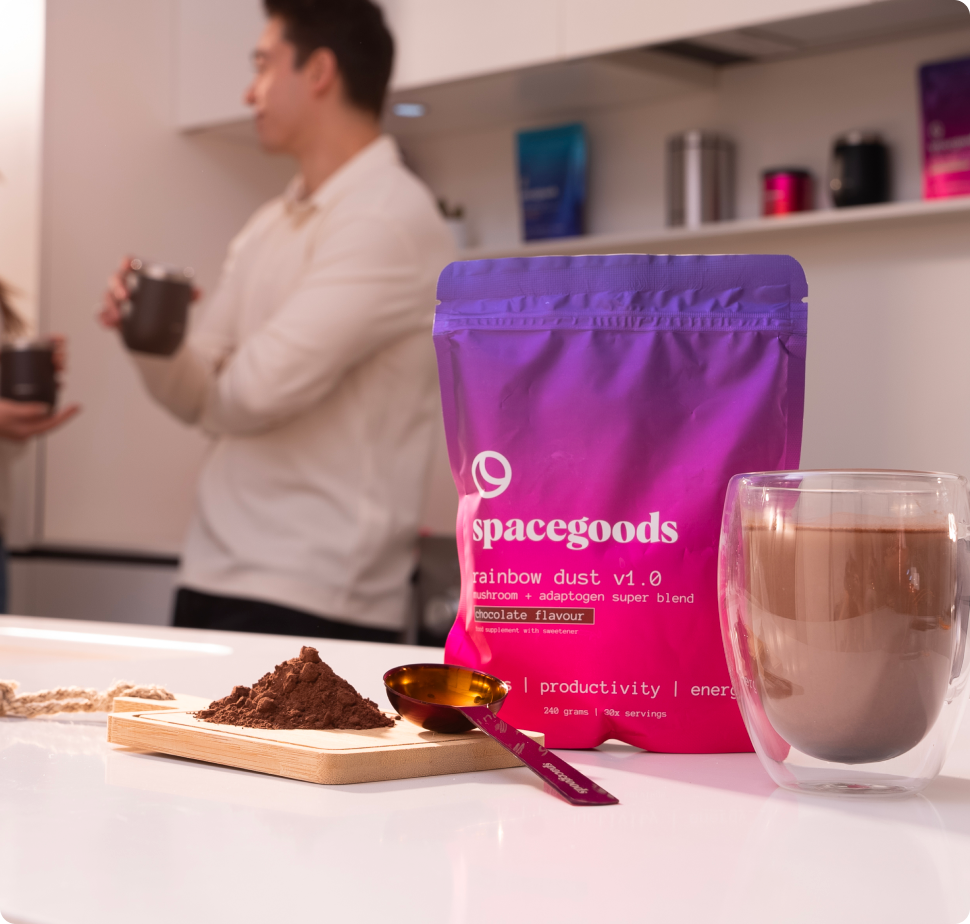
(402,752)
(182,702)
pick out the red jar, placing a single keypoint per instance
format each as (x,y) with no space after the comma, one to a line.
(787,190)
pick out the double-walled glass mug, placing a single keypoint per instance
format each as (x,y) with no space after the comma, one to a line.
(844,604)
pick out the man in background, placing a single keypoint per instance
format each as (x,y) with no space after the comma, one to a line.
(311,366)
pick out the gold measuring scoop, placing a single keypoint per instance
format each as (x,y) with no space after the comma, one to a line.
(450,699)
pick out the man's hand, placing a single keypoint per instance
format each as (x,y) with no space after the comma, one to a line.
(21,420)
(115,295)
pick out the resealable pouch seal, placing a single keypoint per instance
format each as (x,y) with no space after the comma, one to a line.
(595,409)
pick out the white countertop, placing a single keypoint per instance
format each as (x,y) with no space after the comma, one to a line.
(91,834)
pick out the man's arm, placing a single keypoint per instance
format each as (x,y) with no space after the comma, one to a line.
(358,295)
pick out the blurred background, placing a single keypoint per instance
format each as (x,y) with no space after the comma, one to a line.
(122,130)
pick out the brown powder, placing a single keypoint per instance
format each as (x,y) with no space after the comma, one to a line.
(300,693)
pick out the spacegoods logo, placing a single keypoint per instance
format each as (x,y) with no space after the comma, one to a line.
(577,533)
(496,484)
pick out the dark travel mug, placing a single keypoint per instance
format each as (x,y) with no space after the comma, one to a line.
(859,173)
(156,314)
(27,371)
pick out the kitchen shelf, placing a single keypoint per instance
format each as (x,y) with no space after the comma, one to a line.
(667,240)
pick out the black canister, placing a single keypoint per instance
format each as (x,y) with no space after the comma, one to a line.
(156,314)
(27,371)
(860,170)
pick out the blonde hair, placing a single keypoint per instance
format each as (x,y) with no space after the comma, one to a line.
(11,324)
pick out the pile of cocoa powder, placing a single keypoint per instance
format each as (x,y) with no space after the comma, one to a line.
(300,693)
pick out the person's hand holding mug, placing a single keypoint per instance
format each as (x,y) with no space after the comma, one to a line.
(22,420)
(148,303)
(115,295)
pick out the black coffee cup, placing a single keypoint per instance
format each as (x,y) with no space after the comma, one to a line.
(27,371)
(156,314)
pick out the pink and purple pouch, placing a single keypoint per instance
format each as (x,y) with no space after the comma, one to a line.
(945,91)
(595,409)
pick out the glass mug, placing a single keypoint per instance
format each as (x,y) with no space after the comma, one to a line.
(844,604)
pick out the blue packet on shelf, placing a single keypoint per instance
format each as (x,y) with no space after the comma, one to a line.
(552,181)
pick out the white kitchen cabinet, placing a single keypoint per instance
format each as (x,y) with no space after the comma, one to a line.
(442,40)
(606,25)
(445,41)
(214,41)
(437,41)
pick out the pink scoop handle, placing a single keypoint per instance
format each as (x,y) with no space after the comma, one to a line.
(566,780)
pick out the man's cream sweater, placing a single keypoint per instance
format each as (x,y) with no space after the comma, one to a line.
(312,369)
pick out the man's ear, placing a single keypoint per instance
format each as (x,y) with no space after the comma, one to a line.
(322,71)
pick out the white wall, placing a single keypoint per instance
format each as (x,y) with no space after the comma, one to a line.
(213,41)
(889,321)
(21,123)
(889,305)
(21,135)
(119,178)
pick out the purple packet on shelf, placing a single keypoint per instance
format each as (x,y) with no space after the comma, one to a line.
(595,409)
(945,92)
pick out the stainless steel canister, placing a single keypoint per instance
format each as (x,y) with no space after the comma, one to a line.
(700,179)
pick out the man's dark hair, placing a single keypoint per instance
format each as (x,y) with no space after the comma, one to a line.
(354,30)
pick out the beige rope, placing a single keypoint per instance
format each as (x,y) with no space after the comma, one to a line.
(70,699)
